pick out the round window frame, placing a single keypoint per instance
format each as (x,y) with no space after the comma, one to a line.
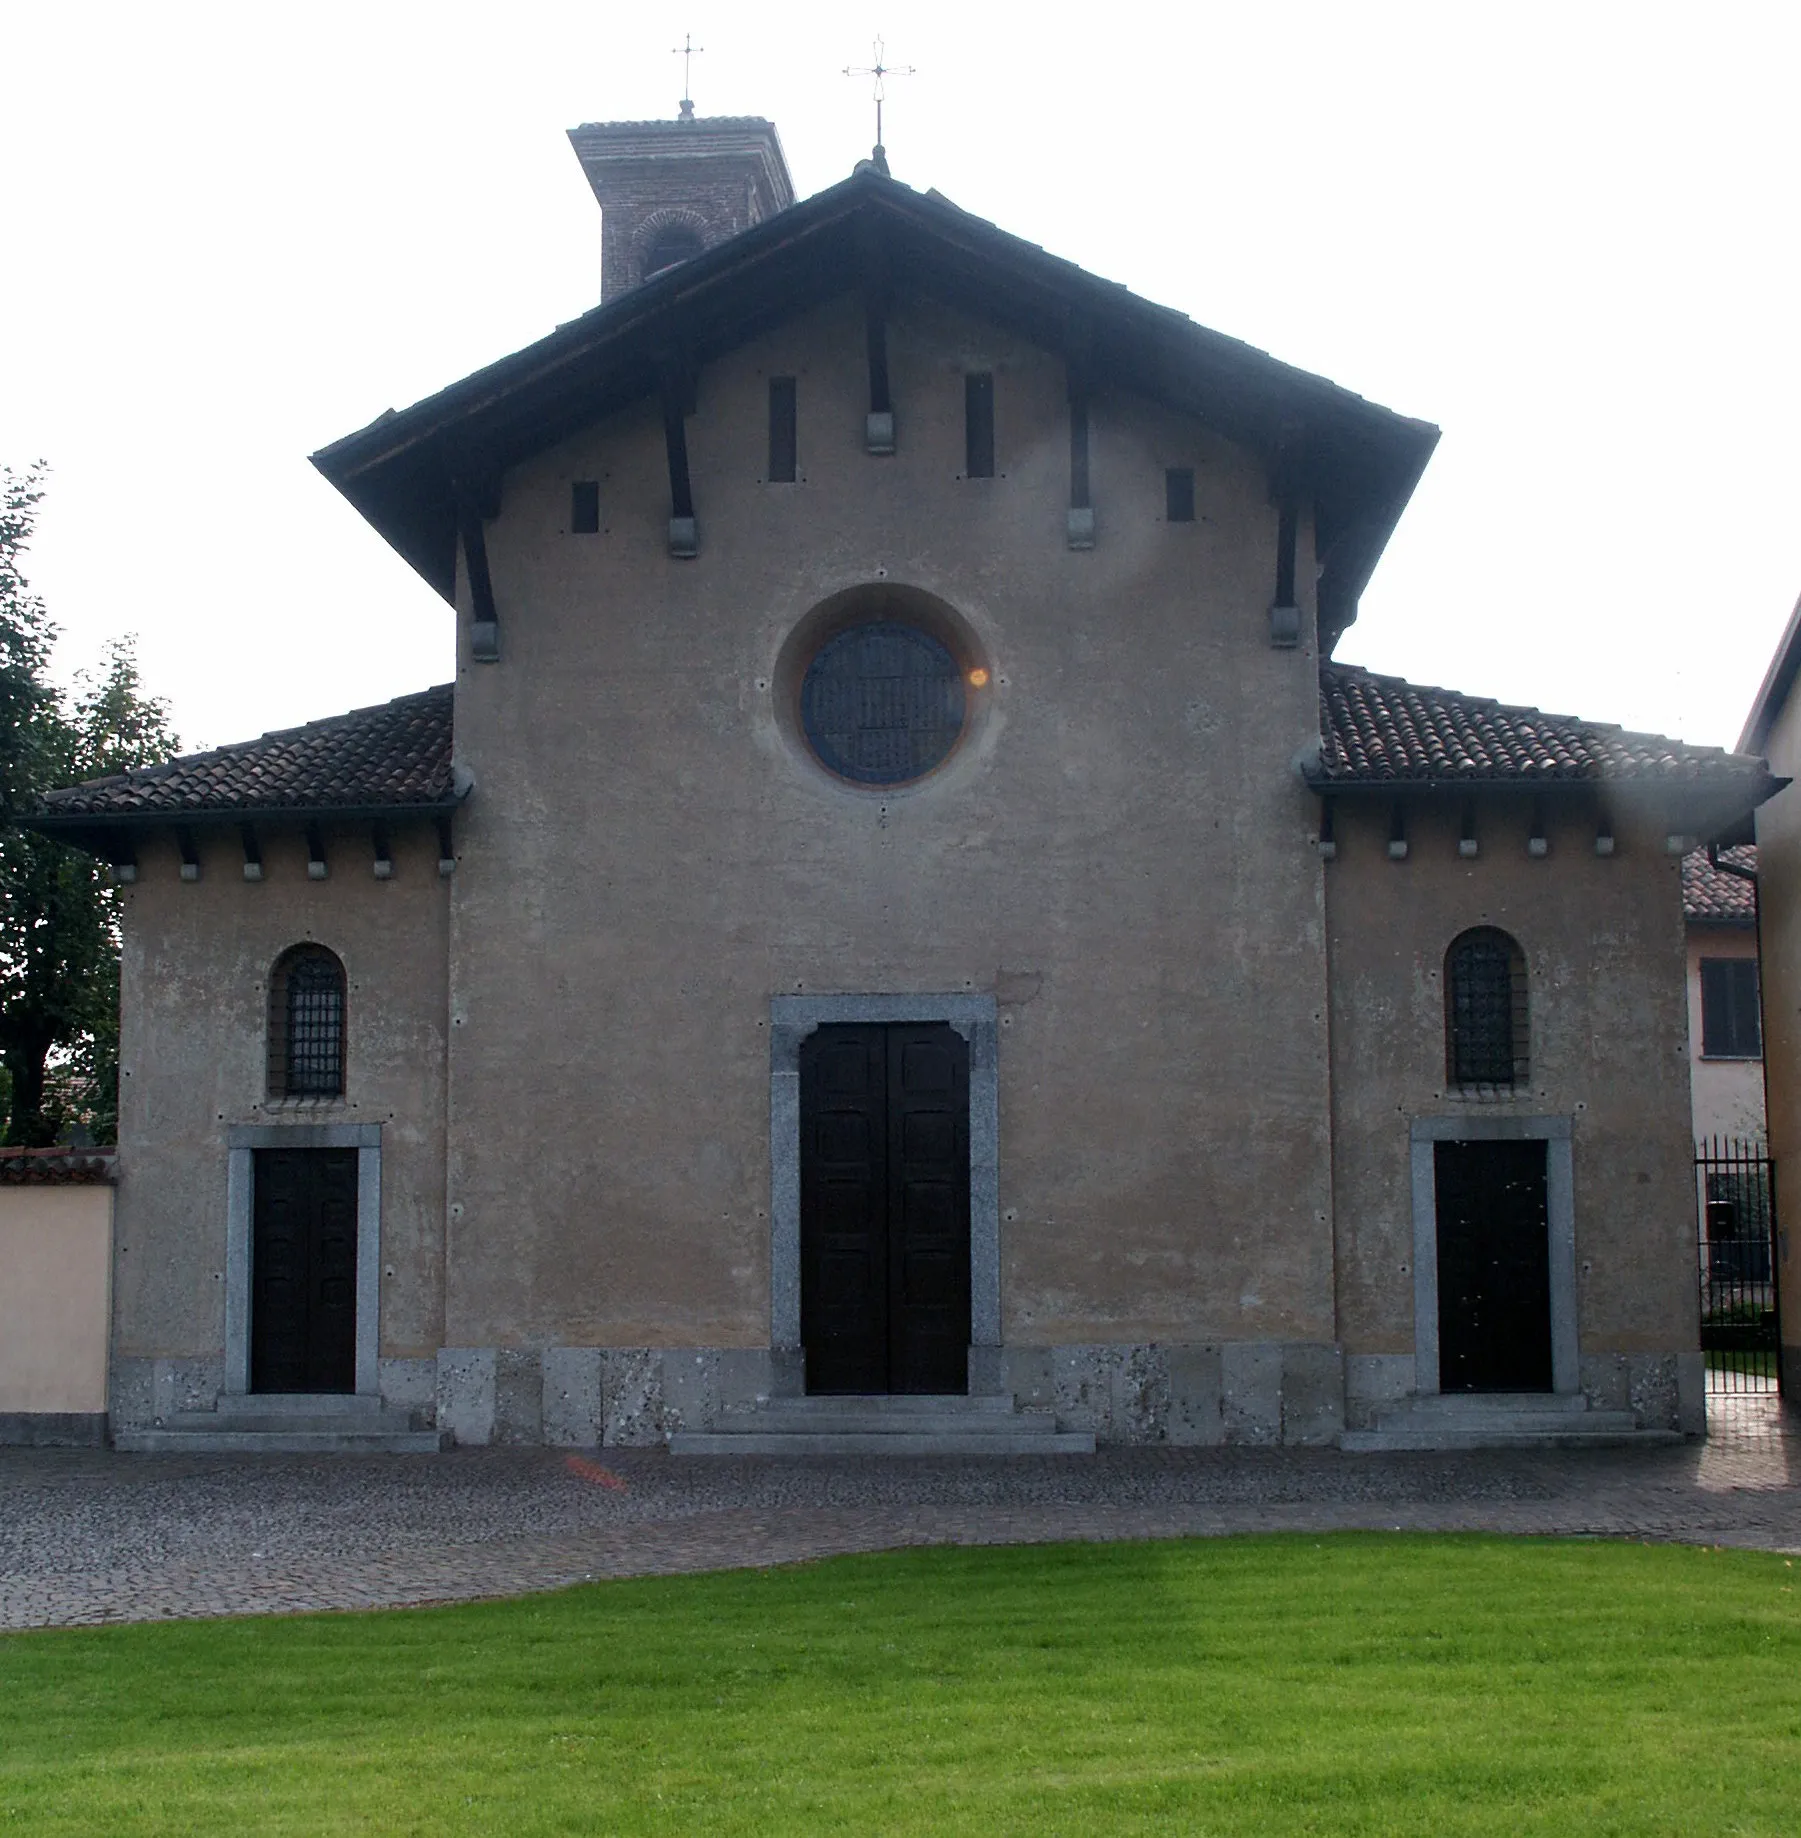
(881,602)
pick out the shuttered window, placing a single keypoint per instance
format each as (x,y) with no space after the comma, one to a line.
(1731,1027)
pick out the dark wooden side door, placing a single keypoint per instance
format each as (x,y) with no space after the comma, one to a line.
(1494,1267)
(884,1208)
(303,1271)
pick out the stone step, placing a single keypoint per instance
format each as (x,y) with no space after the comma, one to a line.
(342,1440)
(891,1404)
(304,1403)
(360,1423)
(1380,1441)
(1461,1404)
(883,1423)
(964,1440)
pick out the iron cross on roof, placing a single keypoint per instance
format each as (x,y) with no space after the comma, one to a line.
(687,51)
(880,71)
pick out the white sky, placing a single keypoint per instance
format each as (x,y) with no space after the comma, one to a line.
(1567,233)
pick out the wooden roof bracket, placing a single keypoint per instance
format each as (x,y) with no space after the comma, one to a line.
(477,495)
(676,386)
(1285,620)
(190,856)
(872,264)
(1079,526)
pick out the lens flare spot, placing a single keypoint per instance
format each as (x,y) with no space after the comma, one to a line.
(978,678)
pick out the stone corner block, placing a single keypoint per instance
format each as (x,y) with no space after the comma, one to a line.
(1250,1373)
(1312,1394)
(410,1385)
(690,1389)
(466,1387)
(631,1383)
(571,1405)
(1196,1413)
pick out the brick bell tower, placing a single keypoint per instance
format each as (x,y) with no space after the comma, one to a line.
(669,189)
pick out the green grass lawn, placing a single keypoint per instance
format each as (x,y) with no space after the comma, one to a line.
(1262,1685)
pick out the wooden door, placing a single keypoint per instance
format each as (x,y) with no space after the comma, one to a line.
(303,1271)
(1494,1267)
(885,1208)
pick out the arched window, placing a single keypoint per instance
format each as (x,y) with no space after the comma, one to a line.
(306,1024)
(1485,1010)
(675,242)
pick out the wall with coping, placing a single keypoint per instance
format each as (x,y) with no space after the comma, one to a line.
(195,967)
(1122,860)
(1603,939)
(1779,903)
(55,1292)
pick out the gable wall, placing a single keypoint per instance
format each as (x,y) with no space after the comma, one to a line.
(193,1015)
(1124,860)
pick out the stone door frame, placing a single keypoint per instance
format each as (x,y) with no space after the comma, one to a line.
(976,1018)
(241,1144)
(1557,1134)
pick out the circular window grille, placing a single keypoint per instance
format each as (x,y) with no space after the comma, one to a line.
(882,703)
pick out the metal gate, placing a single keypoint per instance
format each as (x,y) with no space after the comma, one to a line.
(1735,1204)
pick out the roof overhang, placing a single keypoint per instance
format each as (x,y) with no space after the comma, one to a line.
(1358,463)
(108,833)
(1773,691)
(1717,810)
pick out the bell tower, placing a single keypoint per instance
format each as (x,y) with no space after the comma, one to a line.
(669,189)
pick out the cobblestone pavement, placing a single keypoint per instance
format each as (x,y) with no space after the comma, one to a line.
(90,1537)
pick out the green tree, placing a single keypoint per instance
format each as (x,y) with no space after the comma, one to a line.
(59,930)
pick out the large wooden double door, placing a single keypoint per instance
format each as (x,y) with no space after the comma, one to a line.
(884,1208)
(303,1271)
(1494,1267)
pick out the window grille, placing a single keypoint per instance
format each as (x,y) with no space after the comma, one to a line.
(306,1025)
(1485,1010)
(882,703)
(1731,1027)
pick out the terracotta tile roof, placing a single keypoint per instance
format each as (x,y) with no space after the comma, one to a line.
(58,1167)
(395,755)
(1712,898)
(1381,730)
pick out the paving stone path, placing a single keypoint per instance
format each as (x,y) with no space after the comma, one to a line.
(88,1537)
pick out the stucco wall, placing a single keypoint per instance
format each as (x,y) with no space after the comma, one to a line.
(1779,901)
(196,961)
(1123,858)
(55,1276)
(1726,1095)
(1603,941)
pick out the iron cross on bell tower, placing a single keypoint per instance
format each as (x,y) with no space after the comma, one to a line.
(687,51)
(880,71)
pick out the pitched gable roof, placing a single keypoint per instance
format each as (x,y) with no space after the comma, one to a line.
(1358,461)
(392,758)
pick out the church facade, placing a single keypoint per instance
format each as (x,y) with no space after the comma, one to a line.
(900,901)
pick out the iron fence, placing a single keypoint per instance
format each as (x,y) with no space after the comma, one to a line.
(1735,1207)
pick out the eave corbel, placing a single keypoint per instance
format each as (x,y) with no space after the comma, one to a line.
(1078,360)
(253,852)
(872,265)
(676,387)
(476,490)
